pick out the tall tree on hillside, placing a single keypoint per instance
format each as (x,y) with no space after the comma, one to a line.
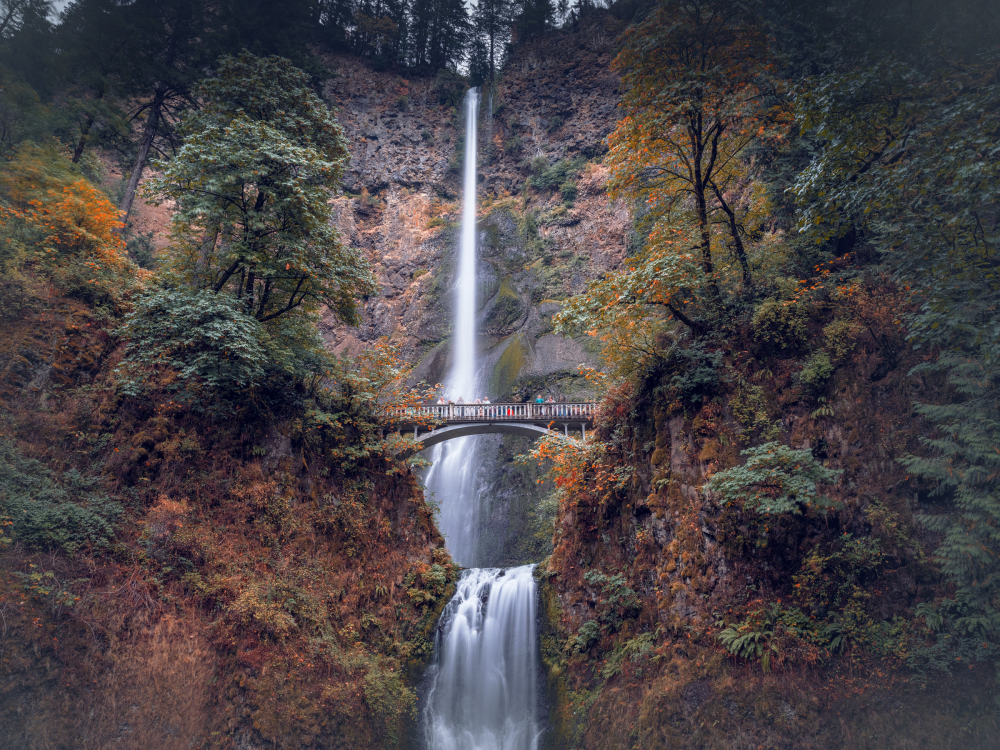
(439,33)
(532,18)
(252,183)
(94,36)
(492,21)
(287,28)
(380,29)
(26,42)
(172,43)
(700,88)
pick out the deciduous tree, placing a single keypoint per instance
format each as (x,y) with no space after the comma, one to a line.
(700,88)
(252,184)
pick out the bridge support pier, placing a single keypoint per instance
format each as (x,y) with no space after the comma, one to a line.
(583,432)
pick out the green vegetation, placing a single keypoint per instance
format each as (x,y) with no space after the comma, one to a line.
(45,511)
(775,479)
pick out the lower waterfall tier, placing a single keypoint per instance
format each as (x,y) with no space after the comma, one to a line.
(483,685)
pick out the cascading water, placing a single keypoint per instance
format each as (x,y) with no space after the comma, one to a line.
(483,691)
(482,687)
(451,478)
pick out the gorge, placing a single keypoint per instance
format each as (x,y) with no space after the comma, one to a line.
(756,297)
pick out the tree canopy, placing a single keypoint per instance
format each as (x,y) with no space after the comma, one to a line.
(252,185)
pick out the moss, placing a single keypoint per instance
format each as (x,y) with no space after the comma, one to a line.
(507,309)
(509,366)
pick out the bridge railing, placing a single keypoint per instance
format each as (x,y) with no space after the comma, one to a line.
(496,412)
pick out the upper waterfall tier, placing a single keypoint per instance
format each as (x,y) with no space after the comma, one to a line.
(462,383)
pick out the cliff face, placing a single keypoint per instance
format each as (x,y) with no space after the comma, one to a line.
(644,579)
(174,579)
(546,227)
(552,108)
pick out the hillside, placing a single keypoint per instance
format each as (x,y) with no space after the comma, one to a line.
(763,238)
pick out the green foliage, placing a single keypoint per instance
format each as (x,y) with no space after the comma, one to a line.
(564,171)
(205,337)
(633,649)
(45,585)
(781,321)
(775,479)
(49,511)
(816,370)
(951,642)
(749,406)
(829,579)
(450,88)
(840,337)
(695,370)
(426,586)
(907,150)
(618,602)
(587,636)
(388,697)
(252,185)
(773,633)
(749,644)
(964,467)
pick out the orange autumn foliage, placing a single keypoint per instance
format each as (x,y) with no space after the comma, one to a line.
(59,218)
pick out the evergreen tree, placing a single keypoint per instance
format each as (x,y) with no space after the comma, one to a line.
(532,19)
(171,43)
(27,43)
(492,22)
(95,38)
(439,35)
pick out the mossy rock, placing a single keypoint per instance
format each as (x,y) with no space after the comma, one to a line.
(509,366)
(507,310)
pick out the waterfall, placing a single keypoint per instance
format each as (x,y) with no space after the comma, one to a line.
(452,476)
(483,693)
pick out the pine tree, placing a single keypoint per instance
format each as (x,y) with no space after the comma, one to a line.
(492,22)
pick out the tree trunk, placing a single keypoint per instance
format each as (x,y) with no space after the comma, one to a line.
(734,232)
(84,134)
(148,134)
(85,131)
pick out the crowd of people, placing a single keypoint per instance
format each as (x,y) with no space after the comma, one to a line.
(557,408)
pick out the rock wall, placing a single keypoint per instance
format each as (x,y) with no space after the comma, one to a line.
(556,102)
(546,227)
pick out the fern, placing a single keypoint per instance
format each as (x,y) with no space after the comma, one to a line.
(775,479)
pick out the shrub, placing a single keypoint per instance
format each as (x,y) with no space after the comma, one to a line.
(816,370)
(545,177)
(618,602)
(200,334)
(568,191)
(53,220)
(44,511)
(775,479)
(839,337)
(781,320)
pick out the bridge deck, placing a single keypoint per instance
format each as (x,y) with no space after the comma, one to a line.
(454,414)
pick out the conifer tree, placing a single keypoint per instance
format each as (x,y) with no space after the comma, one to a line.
(492,21)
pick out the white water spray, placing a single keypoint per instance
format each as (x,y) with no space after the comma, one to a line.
(483,693)
(483,684)
(452,476)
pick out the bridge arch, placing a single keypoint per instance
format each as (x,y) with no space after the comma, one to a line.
(450,432)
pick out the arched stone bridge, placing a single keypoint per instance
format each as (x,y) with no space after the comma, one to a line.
(459,420)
